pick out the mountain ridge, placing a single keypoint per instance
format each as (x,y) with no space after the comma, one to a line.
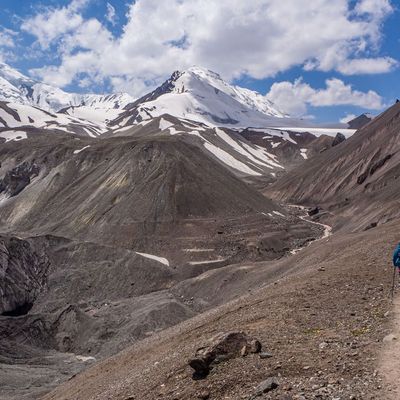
(16,87)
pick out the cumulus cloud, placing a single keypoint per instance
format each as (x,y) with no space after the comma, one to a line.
(374,9)
(52,24)
(256,38)
(368,66)
(295,97)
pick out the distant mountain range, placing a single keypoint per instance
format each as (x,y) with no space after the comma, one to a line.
(196,94)
(238,127)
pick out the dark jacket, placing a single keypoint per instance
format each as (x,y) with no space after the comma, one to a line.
(396,256)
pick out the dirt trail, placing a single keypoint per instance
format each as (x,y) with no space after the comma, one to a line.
(389,366)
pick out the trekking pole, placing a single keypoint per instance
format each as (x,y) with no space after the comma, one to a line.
(394,276)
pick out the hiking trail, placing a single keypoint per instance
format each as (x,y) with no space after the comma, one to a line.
(389,363)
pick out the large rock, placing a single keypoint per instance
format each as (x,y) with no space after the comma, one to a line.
(23,275)
(17,179)
(265,387)
(339,138)
(222,347)
(313,211)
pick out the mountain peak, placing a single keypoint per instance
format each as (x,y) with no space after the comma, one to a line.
(203,72)
(9,73)
(18,88)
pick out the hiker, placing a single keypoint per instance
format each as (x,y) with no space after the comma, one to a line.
(396,257)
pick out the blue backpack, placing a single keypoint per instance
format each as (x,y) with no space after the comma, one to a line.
(396,256)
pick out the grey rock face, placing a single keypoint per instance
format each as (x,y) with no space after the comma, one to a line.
(23,276)
(16,180)
(339,138)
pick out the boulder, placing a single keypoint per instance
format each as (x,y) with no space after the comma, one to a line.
(265,387)
(339,138)
(222,347)
(313,211)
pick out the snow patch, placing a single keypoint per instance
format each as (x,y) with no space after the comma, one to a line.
(125,128)
(164,124)
(207,261)
(323,131)
(303,153)
(173,131)
(227,159)
(83,148)
(13,135)
(196,250)
(161,260)
(256,155)
(85,358)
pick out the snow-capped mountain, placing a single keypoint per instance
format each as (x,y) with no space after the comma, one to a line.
(249,98)
(202,95)
(99,109)
(196,94)
(15,117)
(18,88)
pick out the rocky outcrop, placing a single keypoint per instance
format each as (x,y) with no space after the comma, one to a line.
(17,179)
(339,138)
(23,275)
(313,211)
(222,347)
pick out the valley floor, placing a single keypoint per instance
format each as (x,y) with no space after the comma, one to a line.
(324,325)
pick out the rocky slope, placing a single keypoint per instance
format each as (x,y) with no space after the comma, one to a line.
(354,176)
(128,224)
(321,328)
(108,241)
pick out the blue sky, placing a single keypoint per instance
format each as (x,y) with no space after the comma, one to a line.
(314,59)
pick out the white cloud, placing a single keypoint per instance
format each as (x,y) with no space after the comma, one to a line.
(375,9)
(52,24)
(368,66)
(111,16)
(347,118)
(258,38)
(294,98)
(7,37)
(7,41)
